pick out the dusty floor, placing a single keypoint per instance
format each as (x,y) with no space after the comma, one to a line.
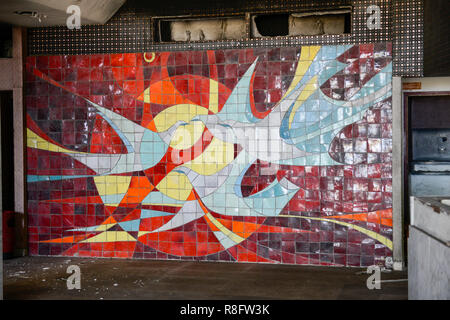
(46,278)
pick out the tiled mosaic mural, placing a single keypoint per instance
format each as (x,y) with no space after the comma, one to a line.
(279,155)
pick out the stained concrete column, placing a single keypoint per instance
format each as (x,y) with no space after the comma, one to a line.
(12,78)
(19,49)
(398,174)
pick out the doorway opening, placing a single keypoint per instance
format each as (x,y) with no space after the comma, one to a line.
(427,149)
(7,172)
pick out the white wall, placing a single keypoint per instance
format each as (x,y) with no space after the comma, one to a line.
(430,84)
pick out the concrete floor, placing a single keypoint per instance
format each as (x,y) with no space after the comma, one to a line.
(45,278)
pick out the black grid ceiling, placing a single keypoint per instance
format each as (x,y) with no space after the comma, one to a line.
(130,30)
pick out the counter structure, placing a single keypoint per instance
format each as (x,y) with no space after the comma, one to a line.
(429,249)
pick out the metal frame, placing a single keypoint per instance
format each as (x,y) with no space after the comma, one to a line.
(397,175)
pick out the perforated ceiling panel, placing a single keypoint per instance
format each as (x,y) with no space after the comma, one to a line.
(408,37)
(131,29)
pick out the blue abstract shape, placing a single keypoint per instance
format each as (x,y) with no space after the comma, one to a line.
(152,149)
(132,225)
(112,198)
(157,197)
(38,178)
(124,139)
(153,213)
(239,97)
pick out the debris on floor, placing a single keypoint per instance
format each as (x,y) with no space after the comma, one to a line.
(108,279)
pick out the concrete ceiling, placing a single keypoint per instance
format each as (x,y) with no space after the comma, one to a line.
(92,11)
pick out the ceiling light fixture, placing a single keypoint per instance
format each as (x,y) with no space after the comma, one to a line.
(32,14)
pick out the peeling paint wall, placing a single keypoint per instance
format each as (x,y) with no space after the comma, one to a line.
(316,25)
(207,30)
